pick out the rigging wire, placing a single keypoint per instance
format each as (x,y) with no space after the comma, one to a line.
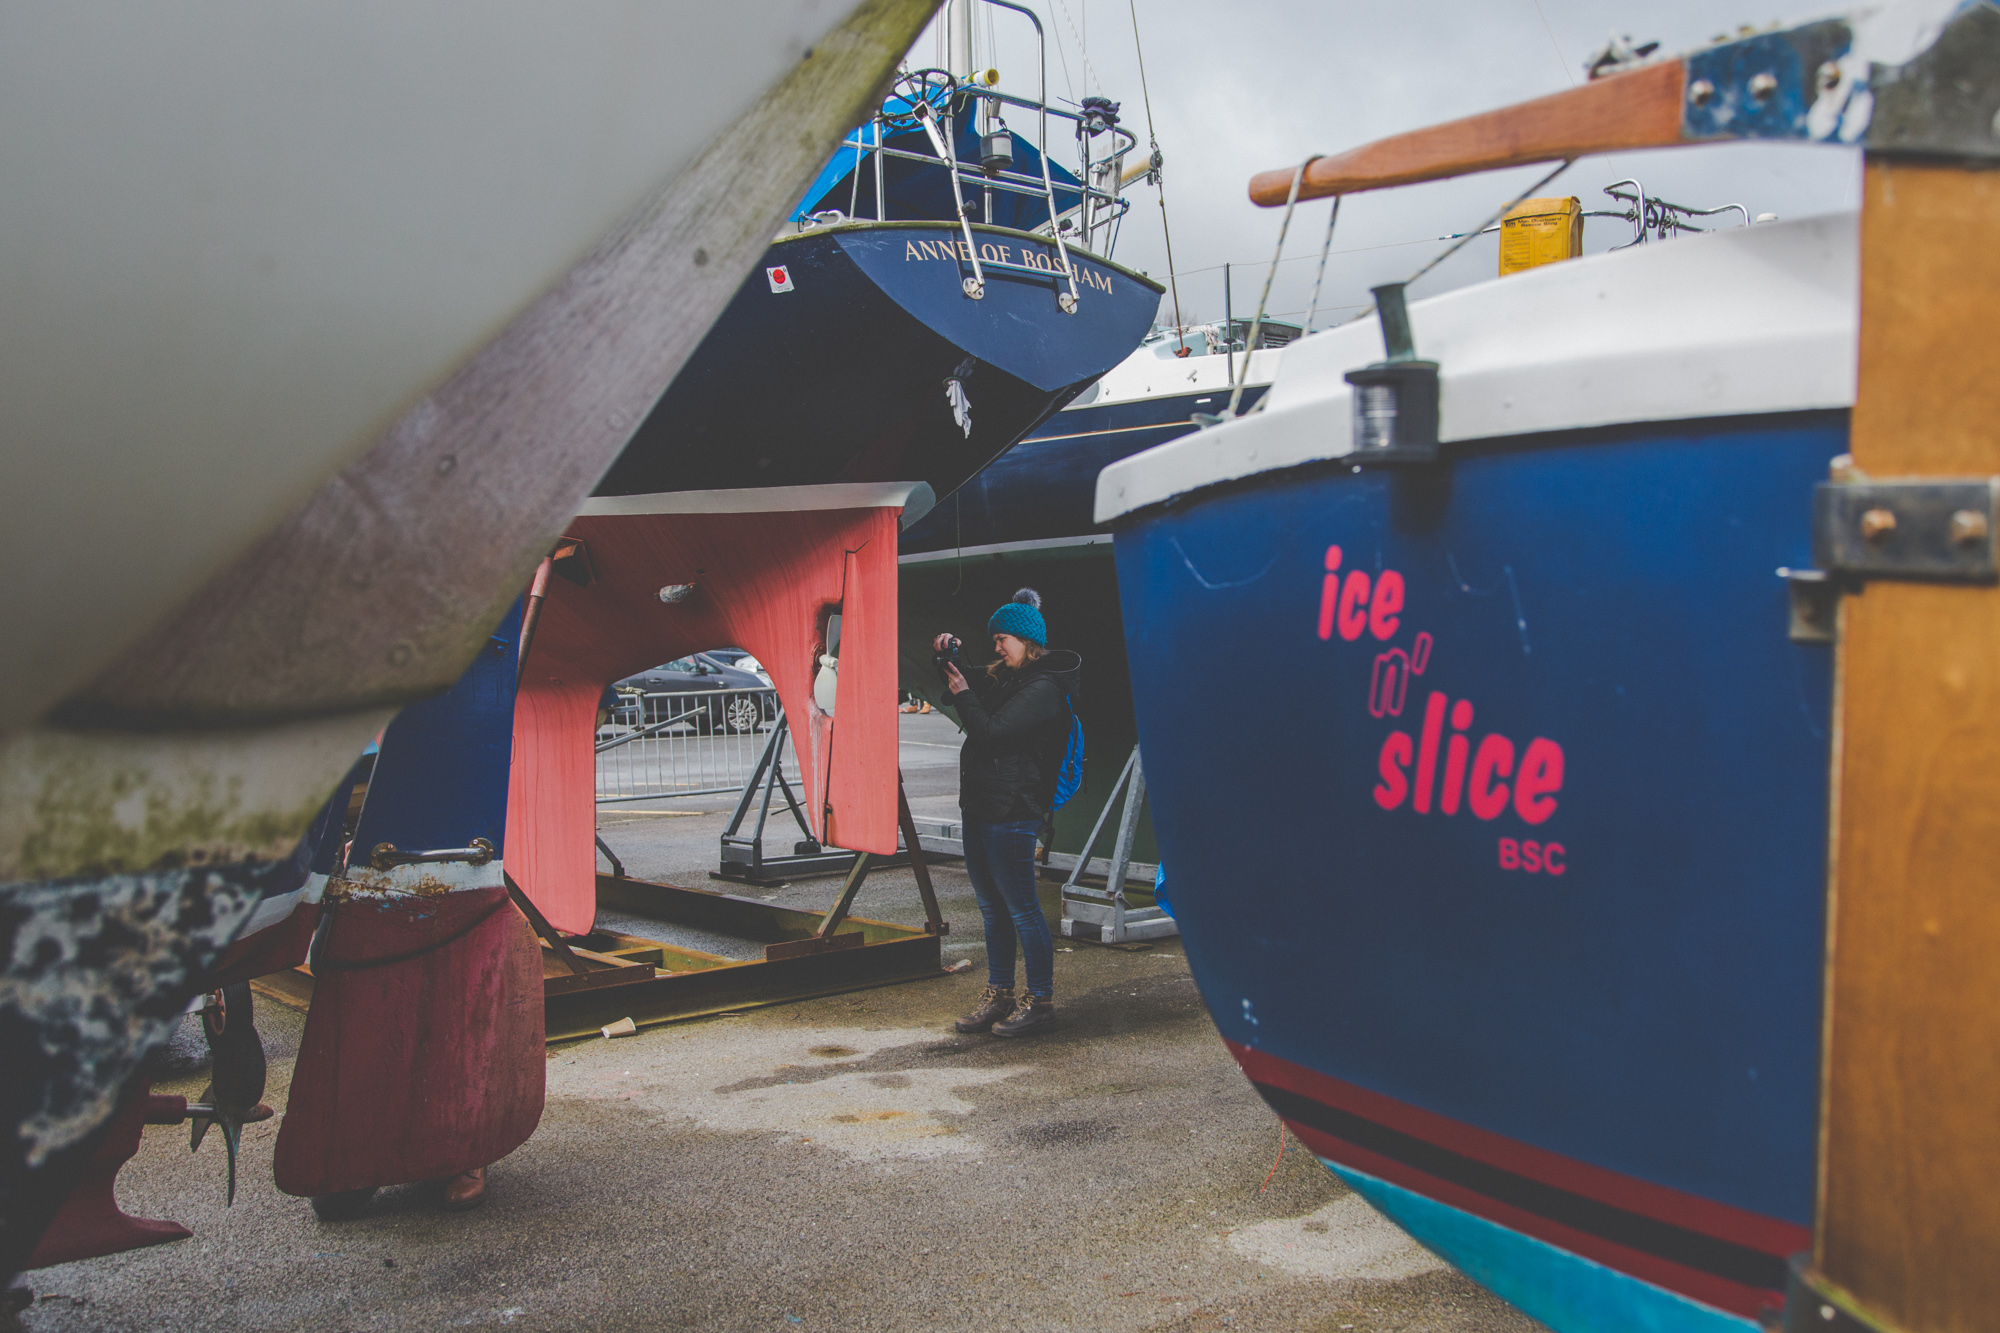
(1089,70)
(1068,84)
(1505,208)
(1159,171)
(1270,274)
(1550,30)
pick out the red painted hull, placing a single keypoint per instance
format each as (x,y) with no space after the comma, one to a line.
(421,1068)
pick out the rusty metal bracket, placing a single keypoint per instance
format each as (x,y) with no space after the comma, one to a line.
(1815,1305)
(541,925)
(1938,530)
(387,855)
(934,921)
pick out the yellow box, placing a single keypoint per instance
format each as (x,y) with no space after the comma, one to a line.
(1540,231)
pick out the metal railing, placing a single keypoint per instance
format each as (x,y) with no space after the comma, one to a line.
(928,98)
(697,743)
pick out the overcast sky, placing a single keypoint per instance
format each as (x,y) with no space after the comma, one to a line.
(1243,87)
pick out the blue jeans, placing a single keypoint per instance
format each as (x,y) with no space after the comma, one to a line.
(1000,858)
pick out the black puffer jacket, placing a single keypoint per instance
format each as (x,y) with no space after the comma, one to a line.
(1016,729)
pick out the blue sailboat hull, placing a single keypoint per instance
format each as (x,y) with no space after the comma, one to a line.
(831,362)
(1042,489)
(1519,914)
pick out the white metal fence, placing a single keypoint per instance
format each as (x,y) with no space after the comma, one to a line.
(695,743)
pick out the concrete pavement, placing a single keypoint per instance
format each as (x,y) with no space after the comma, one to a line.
(840,1163)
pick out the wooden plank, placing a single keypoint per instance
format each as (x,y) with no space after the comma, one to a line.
(567,983)
(1640,109)
(727,914)
(665,999)
(817,944)
(1911,1138)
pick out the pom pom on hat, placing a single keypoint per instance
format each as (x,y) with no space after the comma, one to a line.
(1021,618)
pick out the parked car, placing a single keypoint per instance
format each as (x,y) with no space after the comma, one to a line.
(741,660)
(702,690)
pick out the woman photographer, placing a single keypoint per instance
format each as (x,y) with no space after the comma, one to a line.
(1016,719)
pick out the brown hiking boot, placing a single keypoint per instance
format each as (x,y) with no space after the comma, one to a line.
(995,1003)
(1031,1014)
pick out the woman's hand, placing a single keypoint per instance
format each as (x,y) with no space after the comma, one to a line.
(942,643)
(953,680)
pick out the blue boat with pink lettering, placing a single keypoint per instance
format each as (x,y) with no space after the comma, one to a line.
(1518,918)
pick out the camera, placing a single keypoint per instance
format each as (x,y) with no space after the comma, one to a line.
(949,657)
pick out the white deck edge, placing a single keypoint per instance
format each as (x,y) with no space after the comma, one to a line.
(1005,548)
(1739,322)
(758,499)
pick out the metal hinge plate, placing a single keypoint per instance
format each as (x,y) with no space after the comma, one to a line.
(1939,530)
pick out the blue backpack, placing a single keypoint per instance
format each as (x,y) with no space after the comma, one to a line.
(1070,776)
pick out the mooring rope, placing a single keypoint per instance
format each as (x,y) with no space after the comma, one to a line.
(1325,249)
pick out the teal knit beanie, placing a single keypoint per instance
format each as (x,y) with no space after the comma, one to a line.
(1021,618)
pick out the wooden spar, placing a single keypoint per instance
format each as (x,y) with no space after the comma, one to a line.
(1910,1146)
(1641,109)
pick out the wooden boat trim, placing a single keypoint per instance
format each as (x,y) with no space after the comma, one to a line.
(1641,109)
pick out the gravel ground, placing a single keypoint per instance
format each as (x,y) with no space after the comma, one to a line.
(840,1163)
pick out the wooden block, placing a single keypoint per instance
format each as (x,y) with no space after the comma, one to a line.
(811,945)
(1911,1135)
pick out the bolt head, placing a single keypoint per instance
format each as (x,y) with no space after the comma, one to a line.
(1701,92)
(1877,524)
(1763,85)
(1841,468)
(1968,527)
(1829,76)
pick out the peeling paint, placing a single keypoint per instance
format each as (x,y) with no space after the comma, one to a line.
(95,972)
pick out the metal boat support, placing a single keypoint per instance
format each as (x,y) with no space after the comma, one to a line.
(651,981)
(1103,914)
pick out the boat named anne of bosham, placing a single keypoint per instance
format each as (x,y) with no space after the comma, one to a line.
(941,289)
(1557,570)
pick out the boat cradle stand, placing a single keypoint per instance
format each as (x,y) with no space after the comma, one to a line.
(1103,914)
(592,981)
(743,858)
